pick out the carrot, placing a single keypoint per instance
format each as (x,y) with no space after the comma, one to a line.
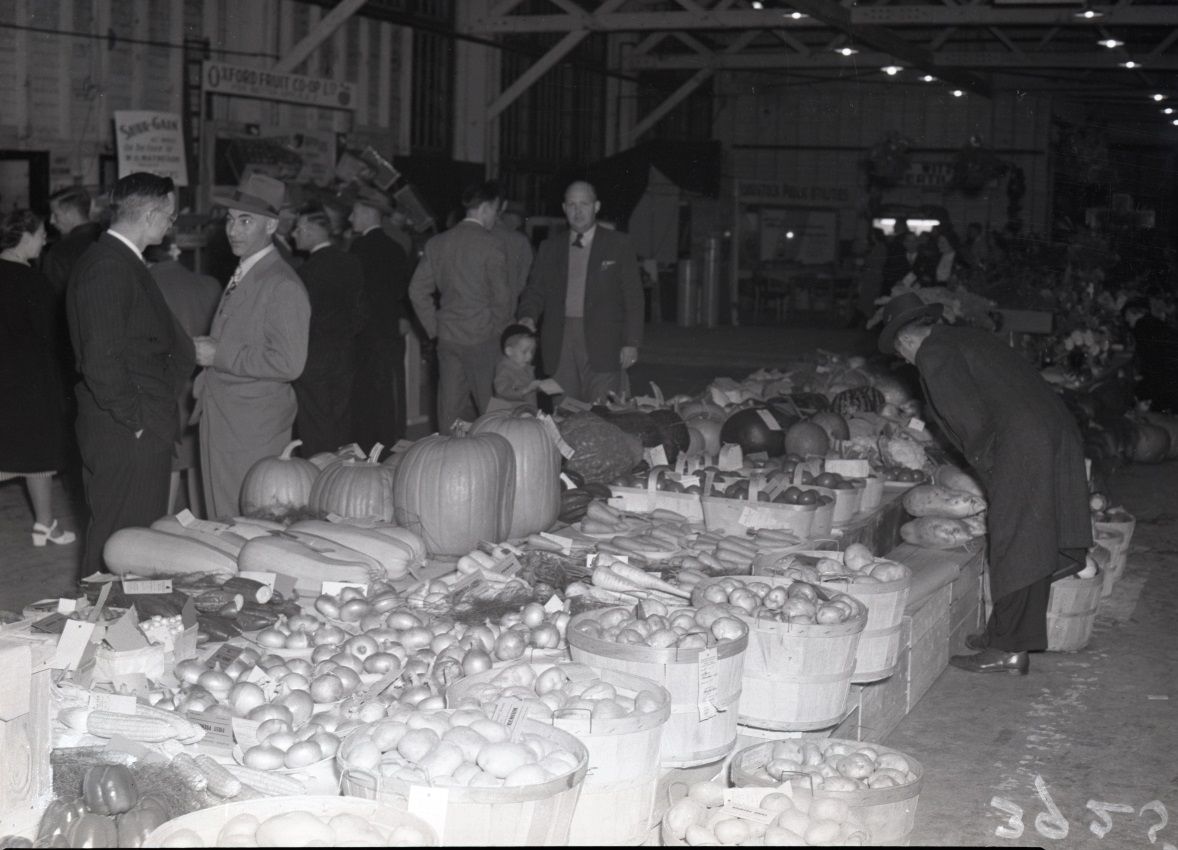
(671,516)
(641,578)
(602,513)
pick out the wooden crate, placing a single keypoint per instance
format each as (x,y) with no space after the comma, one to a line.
(928,642)
(966,611)
(880,706)
(26,784)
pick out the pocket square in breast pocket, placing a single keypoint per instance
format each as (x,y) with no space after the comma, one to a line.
(605,264)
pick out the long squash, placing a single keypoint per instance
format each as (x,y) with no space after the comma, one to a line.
(150,553)
(395,556)
(309,560)
(226,540)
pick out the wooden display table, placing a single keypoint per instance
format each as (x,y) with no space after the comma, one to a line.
(26,783)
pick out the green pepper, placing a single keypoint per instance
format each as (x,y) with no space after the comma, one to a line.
(11,842)
(109,789)
(59,816)
(91,830)
(134,825)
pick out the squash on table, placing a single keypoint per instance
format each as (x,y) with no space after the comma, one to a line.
(278,486)
(537,468)
(310,560)
(395,555)
(148,553)
(355,489)
(456,491)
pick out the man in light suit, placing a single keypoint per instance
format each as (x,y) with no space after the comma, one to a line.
(134,359)
(256,348)
(586,287)
(467,267)
(335,286)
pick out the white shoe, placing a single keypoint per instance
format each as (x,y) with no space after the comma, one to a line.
(43,534)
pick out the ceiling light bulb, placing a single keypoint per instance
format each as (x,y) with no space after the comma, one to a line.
(1175,122)
(929,78)
(1159,97)
(1130,64)
(891,70)
(797,16)
(958,93)
(1110,43)
(1169,110)
(1089,14)
(757,4)
(847,51)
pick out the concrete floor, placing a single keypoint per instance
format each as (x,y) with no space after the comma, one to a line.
(1091,732)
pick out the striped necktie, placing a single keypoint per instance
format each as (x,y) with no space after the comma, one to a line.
(577,243)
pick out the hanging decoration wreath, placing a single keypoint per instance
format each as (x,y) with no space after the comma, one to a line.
(975,166)
(887,162)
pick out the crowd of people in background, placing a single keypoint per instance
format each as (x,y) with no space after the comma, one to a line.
(165,373)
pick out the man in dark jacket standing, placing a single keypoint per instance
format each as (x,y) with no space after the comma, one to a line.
(585,284)
(70,208)
(135,361)
(1027,452)
(335,286)
(378,390)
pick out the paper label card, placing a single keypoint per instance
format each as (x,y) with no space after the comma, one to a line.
(431,805)
(132,587)
(245,732)
(849,468)
(553,604)
(509,712)
(217,729)
(67,606)
(118,703)
(769,419)
(916,424)
(333,588)
(731,458)
(74,645)
(188,520)
(568,482)
(225,655)
(656,456)
(709,677)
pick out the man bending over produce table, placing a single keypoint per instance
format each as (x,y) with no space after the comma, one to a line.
(1025,448)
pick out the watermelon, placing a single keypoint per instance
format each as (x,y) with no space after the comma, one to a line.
(806,439)
(749,429)
(858,400)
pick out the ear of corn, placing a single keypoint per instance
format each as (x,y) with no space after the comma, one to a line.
(149,730)
(188,771)
(265,782)
(220,781)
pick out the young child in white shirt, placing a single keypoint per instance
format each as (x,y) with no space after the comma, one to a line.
(515,375)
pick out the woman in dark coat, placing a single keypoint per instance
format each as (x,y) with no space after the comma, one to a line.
(32,431)
(1027,451)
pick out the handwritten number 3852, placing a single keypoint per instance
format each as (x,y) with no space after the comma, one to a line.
(1052,823)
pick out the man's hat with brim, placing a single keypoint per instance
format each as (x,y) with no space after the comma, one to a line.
(374,198)
(257,194)
(903,310)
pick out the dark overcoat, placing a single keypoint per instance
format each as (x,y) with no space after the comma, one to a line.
(1023,444)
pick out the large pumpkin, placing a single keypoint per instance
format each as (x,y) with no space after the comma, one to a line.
(456,491)
(322,460)
(355,489)
(278,486)
(537,468)
(1169,424)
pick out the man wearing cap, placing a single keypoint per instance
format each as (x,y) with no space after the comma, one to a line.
(586,286)
(378,387)
(134,359)
(1026,450)
(257,347)
(467,269)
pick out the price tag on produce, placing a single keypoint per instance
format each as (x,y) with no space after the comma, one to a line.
(916,424)
(118,703)
(756,517)
(75,647)
(574,405)
(431,805)
(509,712)
(245,732)
(769,419)
(568,482)
(217,729)
(509,566)
(709,683)
(333,588)
(553,604)
(656,456)
(566,451)
(731,458)
(745,812)
(188,520)
(132,587)
(225,655)
(849,468)
(67,606)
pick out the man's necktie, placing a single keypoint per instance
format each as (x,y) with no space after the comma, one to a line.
(577,243)
(236,279)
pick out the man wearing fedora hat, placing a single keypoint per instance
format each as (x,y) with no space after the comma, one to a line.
(1025,448)
(378,387)
(257,347)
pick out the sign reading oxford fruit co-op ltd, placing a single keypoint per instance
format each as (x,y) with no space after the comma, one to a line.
(245,81)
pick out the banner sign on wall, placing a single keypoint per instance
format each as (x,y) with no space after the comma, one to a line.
(809,237)
(244,81)
(151,141)
(318,151)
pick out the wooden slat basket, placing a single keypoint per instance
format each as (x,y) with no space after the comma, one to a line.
(618,798)
(687,739)
(888,813)
(1071,612)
